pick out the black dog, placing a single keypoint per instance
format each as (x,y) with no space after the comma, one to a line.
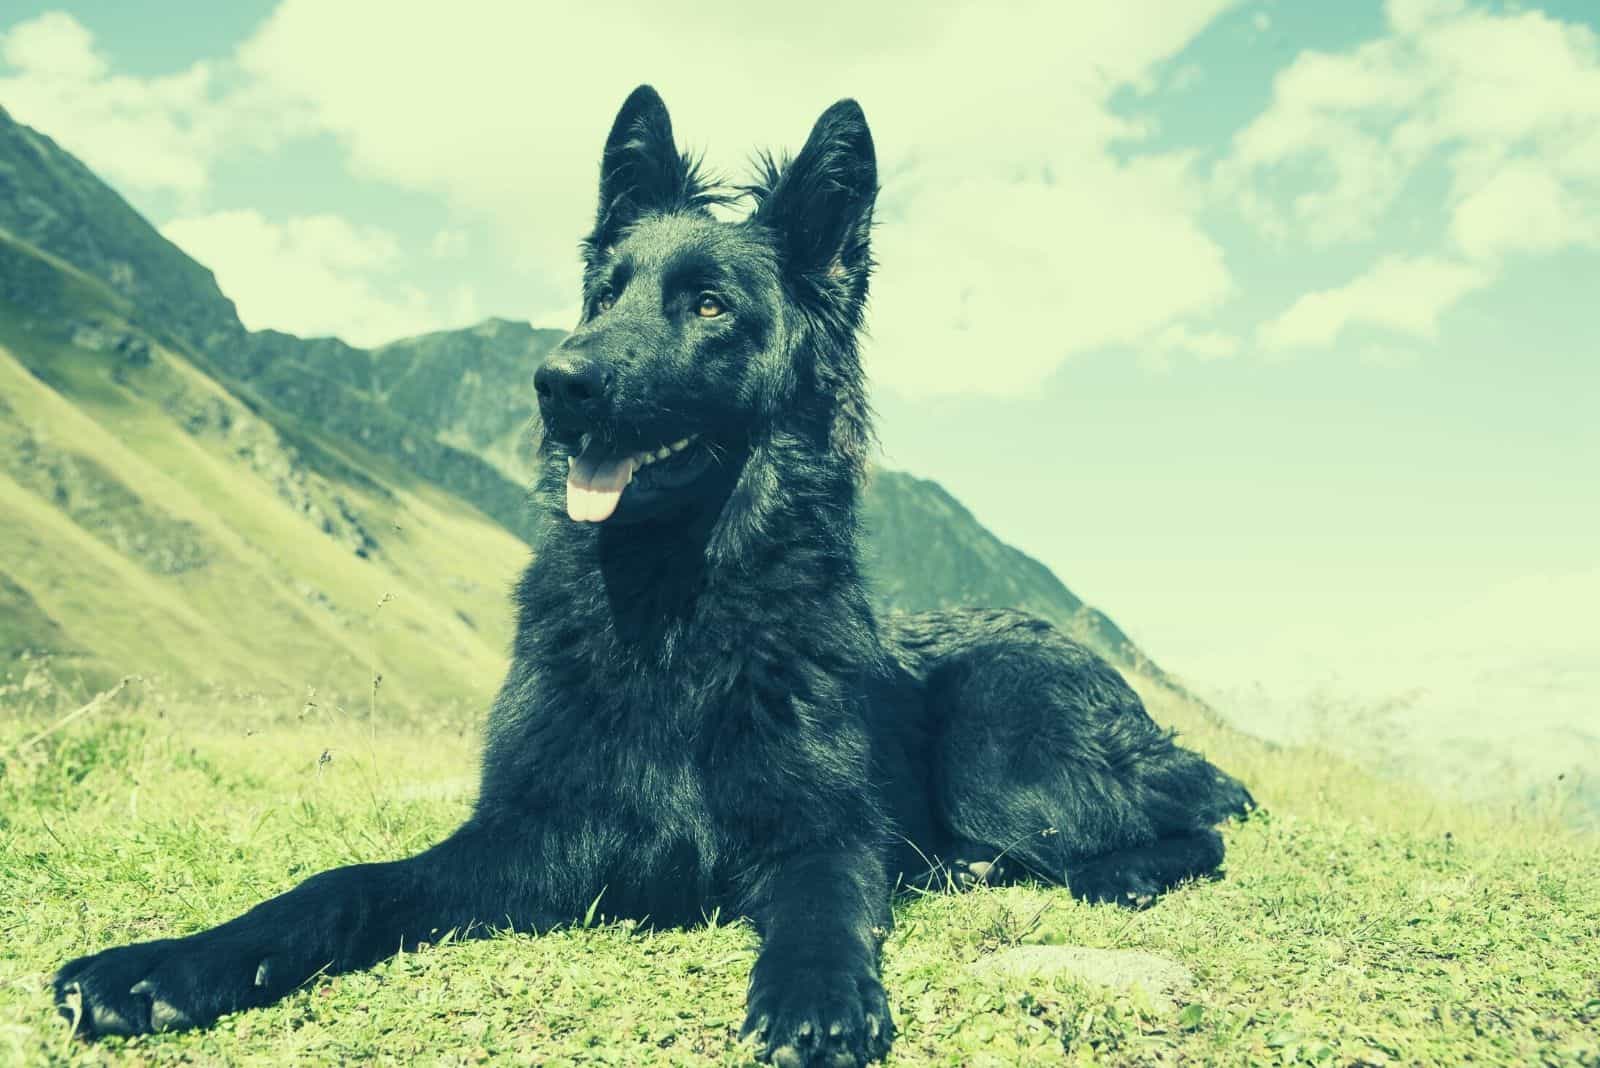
(702,711)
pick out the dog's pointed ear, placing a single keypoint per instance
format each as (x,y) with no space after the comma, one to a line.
(820,204)
(641,171)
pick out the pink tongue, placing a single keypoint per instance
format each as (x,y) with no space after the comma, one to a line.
(595,486)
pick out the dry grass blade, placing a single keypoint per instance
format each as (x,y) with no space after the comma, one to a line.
(94,704)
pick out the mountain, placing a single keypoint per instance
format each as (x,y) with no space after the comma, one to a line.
(472,386)
(185,496)
(152,520)
(925,550)
(50,200)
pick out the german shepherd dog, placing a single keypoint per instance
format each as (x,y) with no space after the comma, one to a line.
(703,712)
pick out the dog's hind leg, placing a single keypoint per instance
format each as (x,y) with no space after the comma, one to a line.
(963,864)
(974,864)
(1133,877)
(1044,755)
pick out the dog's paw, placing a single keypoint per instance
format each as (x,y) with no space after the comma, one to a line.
(801,1017)
(169,985)
(1113,885)
(972,874)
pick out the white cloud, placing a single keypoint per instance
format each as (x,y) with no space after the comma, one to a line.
(1161,351)
(1523,207)
(1506,106)
(315,275)
(996,282)
(1180,339)
(55,44)
(162,133)
(1011,236)
(1399,294)
(449,244)
(1481,94)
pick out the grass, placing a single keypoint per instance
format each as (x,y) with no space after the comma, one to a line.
(1357,924)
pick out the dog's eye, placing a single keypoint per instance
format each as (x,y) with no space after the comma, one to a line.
(708,306)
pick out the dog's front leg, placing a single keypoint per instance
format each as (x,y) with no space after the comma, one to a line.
(815,997)
(340,920)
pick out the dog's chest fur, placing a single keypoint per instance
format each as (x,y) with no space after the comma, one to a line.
(664,718)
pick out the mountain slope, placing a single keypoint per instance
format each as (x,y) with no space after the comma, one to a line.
(51,201)
(152,521)
(925,551)
(473,387)
(116,322)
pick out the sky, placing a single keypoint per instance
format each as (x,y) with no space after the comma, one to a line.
(1270,327)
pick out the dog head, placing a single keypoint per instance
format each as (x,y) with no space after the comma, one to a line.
(701,340)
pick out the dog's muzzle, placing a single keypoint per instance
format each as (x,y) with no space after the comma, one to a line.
(574,393)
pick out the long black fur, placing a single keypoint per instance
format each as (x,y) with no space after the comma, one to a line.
(702,711)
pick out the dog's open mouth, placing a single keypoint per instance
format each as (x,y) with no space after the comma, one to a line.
(596,482)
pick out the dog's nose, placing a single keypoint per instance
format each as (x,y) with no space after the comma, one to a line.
(572,384)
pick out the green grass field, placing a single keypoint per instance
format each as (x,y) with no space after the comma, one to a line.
(1358,923)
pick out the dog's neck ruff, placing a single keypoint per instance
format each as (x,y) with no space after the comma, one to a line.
(781,528)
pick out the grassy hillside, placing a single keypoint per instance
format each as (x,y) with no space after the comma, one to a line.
(1358,923)
(153,520)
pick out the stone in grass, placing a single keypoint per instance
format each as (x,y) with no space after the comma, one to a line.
(1164,981)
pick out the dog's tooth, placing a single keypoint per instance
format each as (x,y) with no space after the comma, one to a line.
(679,446)
(644,458)
(571,462)
(663,452)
